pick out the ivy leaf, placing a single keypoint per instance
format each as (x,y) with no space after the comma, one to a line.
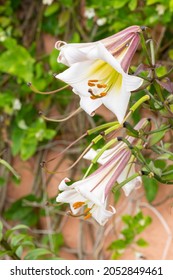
(141,242)
(151,187)
(18,62)
(37,253)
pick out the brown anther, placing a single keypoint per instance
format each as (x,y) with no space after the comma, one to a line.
(101,85)
(87,210)
(91,84)
(78,204)
(94,97)
(102,94)
(88,216)
(93,81)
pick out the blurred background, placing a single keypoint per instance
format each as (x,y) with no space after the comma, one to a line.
(28,32)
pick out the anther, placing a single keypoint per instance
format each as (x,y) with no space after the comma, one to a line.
(93,81)
(78,204)
(101,86)
(91,84)
(87,216)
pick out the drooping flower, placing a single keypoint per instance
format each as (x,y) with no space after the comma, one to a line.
(88,197)
(98,71)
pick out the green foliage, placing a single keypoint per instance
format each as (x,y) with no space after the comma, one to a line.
(134,225)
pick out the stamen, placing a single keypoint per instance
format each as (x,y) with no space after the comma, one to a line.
(69,168)
(91,84)
(101,85)
(102,94)
(78,204)
(87,210)
(93,81)
(46,92)
(61,120)
(87,216)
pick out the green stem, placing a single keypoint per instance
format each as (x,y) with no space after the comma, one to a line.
(139,102)
(157,88)
(152,52)
(158,130)
(6,164)
(101,127)
(143,43)
(119,186)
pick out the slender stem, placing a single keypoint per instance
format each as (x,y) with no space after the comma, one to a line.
(119,186)
(101,127)
(143,43)
(157,88)
(158,130)
(152,52)
(139,102)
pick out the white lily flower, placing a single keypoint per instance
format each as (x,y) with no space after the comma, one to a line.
(101,80)
(92,192)
(97,71)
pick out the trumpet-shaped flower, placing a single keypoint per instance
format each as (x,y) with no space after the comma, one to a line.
(97,71)
(88,197)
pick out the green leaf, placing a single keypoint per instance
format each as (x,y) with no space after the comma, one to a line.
(141,242)
(18,62)
(37,253)
(117,244)
(12,230)
(50,10)
(151,187)
(119,4)
(167,175)
(128,234)
(4,253)
(28,147)
(156,137)
(132,5)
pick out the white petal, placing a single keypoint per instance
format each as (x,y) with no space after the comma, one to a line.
(135,183)
(101,215)
(101,53)
(117,101)
(89,105)
(69,196)
(70,55)
(90,155)
(63,186)
(132,82)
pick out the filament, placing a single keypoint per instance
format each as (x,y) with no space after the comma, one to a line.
(61,120)
(46,92)
(43,164)
(68,147)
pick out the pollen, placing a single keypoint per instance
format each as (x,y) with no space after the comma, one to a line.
(87,216)
(78,204)
(87,210)
(93,81)
(91,84)
(101,85)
